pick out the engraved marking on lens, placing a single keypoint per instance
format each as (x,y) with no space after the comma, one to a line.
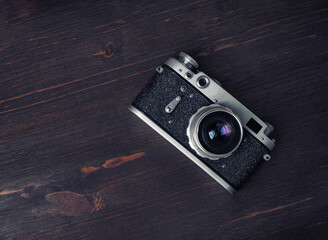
(202,82)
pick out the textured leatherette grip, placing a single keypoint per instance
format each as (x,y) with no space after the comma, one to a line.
(161,90)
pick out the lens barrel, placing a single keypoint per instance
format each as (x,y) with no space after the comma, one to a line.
(214,132)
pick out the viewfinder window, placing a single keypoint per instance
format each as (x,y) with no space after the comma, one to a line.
(253,125)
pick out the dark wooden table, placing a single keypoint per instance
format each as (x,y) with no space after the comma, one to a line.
(76,164)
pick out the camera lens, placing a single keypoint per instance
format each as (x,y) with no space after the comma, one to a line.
(219,132)
(214,132)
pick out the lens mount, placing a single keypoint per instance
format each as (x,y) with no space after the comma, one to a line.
(214,132)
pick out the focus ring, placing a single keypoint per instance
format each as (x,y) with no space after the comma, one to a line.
(193,130)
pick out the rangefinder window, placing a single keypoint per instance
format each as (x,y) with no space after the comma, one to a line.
(254,126)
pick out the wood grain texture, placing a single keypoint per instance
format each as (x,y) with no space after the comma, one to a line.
(76,164)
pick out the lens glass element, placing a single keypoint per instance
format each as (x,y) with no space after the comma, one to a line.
(219,132)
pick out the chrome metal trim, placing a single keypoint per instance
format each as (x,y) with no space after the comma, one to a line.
(218,95)
(172,105)
(193,127)
(188,61)
(175,143)
(207,82)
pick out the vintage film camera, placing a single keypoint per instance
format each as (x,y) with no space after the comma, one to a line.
(206,123)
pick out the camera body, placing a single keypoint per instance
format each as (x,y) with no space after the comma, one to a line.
(211,127)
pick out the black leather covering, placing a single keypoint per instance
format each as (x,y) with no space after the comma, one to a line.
(161,90)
